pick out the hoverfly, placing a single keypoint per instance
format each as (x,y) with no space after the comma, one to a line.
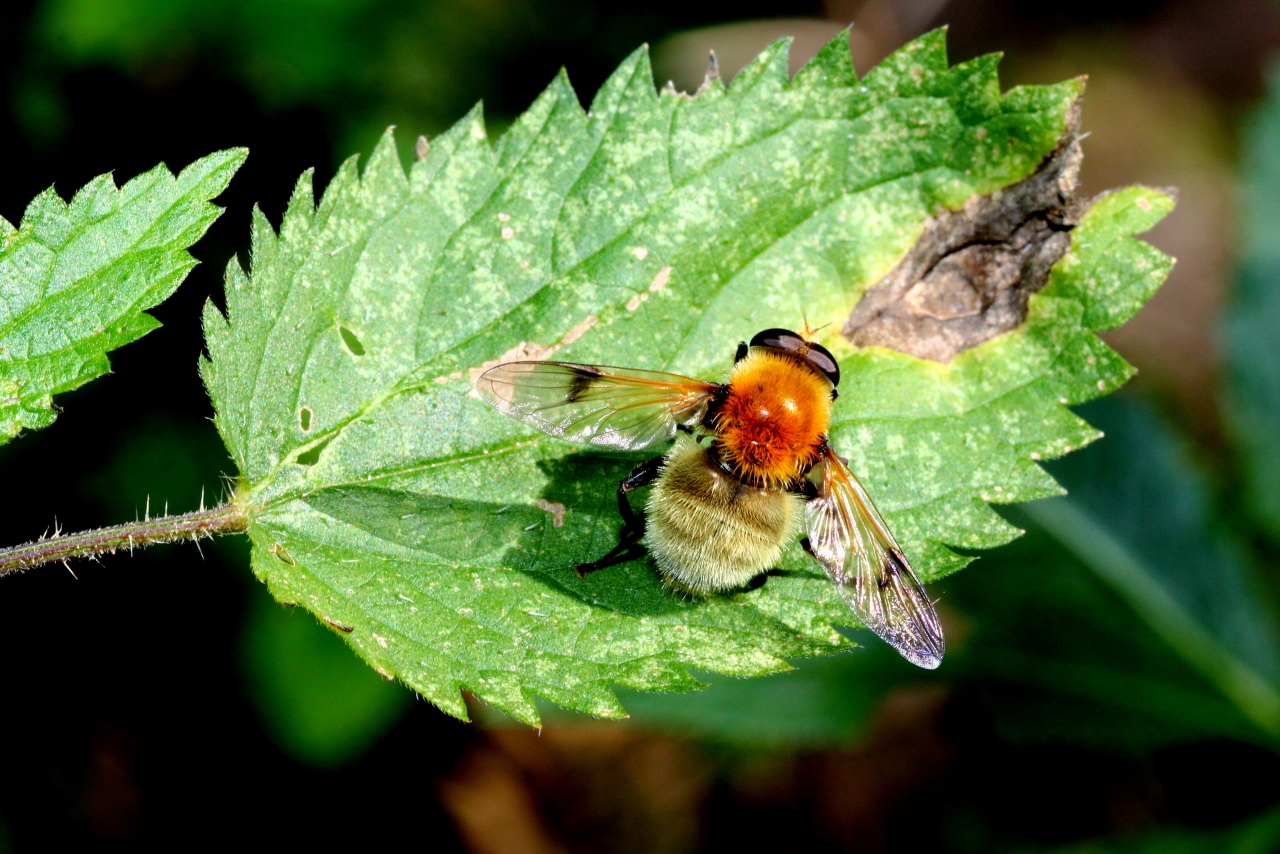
(750,466)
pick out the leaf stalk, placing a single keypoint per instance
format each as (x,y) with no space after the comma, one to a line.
(228,518)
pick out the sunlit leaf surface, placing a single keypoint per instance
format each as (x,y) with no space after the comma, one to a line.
(654,231)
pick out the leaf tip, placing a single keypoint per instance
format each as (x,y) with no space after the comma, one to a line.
(474,125)
(831,66)
(213,172)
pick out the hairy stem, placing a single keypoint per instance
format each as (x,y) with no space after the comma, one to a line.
(227,519)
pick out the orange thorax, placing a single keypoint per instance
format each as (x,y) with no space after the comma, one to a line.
(774,418)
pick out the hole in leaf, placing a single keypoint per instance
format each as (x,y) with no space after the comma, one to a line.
(353,343)
(304,418)
(311,457)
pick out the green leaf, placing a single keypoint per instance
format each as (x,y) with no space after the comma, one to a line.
(76,278)
(1138,515)
(654,231)
(1252,401)
(1054,654)
(320,704)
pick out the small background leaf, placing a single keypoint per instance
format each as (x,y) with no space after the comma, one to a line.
(76,278)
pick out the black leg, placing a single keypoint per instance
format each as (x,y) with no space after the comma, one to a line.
(629,546)
(742,352)
(642,475)
(623,552)
(758,582)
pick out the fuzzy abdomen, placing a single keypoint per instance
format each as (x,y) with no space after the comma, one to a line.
(774,418)
(709,531)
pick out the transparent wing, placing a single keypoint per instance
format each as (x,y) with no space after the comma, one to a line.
(860,555)
(618,408)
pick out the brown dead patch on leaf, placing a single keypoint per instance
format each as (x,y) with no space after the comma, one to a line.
(970,274)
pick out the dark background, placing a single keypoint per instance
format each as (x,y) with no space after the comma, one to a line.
(161,700)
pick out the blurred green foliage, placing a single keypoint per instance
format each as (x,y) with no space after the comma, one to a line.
(1139,515)
(367,63)
(1252,403)
(1055,654)
(322,704)
(1258,836)
(291,49)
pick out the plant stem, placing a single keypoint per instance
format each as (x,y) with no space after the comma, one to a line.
(227,519)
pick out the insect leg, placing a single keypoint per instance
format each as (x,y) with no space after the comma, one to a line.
(623,552)
(742,352)
(759,581)
(628,547)
(642,475)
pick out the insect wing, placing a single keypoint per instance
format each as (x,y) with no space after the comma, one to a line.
(618,408)
(860,555)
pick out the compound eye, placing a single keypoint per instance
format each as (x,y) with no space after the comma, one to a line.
(785,339)
(822,359)
(781,339)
